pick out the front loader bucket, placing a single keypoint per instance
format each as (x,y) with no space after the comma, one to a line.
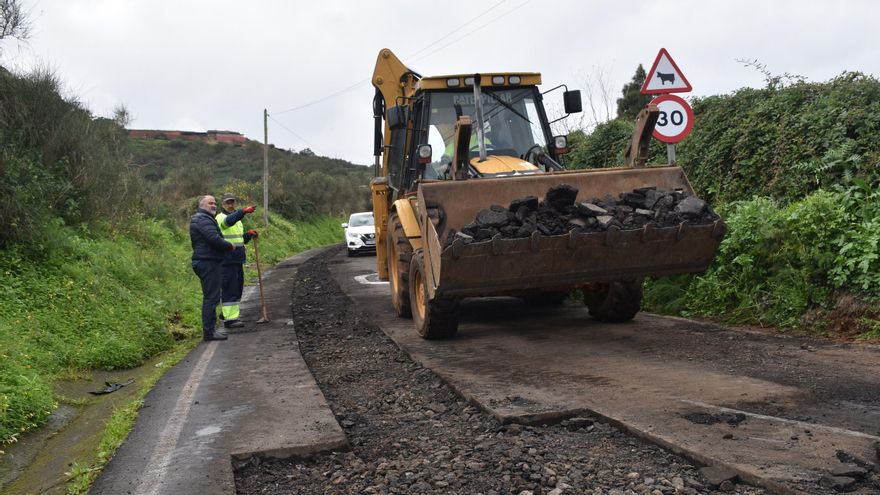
(510,266)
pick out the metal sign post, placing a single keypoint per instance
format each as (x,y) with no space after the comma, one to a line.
(670,153)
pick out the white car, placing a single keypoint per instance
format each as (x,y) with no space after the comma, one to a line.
(360,233)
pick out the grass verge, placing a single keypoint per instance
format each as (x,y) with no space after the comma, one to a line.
(108,298)
(84,471)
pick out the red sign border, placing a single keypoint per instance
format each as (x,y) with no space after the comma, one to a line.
(690,115)
(644,89)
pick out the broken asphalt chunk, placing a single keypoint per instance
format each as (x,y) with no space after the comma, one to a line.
(561,195)
(529,202)
(716,475)
(691,205)
(838,483)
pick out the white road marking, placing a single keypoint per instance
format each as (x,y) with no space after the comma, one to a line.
(802,424)
(160,460)
(363,279)
(208,430)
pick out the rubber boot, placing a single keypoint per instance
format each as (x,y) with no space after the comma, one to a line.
(233,324)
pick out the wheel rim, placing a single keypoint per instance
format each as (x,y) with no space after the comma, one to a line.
(420,294)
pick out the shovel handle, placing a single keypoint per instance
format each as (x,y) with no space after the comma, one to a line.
(260,278)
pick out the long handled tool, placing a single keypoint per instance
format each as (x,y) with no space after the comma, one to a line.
(265,318)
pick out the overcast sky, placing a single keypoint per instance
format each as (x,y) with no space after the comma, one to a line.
(199,65)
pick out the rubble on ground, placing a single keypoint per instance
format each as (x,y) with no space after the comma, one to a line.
(560,213)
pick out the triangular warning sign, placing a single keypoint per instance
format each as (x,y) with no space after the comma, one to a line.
(665,77)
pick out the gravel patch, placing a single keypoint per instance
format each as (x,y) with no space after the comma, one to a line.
(410,433)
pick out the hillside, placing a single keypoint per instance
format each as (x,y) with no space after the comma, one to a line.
(301,184)
(91,247)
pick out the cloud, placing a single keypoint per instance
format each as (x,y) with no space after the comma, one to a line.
(207,65)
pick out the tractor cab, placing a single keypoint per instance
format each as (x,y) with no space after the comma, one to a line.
(509,135)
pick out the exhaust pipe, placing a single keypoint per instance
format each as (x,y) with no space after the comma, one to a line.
(478,105)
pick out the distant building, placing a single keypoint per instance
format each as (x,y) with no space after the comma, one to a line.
(211,137)
(231,137)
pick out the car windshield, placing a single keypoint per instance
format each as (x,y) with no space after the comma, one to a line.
(511,122)
(360,220)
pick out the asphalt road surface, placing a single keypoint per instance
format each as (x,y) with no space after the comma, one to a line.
(782,411)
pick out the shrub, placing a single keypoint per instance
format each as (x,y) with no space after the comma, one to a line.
(784,141)
(57,160)
(777,262)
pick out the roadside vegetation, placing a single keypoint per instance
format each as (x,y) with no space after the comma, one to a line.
(303,184)
(94,266)
(794,169)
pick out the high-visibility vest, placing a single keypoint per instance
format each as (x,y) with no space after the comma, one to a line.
(234,234)
(473,144)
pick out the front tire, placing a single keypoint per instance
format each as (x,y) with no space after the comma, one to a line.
(614,302)
(436,319)
(398,256)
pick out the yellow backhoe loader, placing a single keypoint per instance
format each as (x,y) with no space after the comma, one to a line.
(448,146)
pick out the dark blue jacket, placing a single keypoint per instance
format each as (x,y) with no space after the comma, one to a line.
(207,242)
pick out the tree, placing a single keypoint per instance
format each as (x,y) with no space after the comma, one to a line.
(633,100)
(121,115)
(14,22)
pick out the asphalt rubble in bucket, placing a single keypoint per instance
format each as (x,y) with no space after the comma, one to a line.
(560,213)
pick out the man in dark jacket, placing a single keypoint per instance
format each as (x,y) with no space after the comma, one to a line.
(230,222)
(209,248)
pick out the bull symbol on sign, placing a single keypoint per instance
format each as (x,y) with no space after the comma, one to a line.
(666,77)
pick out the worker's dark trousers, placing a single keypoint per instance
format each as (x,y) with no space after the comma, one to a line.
(210,275)
(233,286)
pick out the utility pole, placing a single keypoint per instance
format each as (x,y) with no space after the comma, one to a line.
(266,167)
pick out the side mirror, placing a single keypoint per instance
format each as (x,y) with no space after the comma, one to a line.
(397,117)
(572,101)
(345,226)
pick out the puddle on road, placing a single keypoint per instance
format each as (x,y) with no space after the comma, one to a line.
(38,461)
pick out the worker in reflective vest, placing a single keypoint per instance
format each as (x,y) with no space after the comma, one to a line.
(229,219)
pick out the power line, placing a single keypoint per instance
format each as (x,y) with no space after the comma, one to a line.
(450,33)
(292,132)
(410,59)
(324,98)
(481,26)
(433,43)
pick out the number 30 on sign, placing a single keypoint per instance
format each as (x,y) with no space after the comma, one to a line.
(676,118)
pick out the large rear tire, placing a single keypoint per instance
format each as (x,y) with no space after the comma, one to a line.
(614,302)
(398,255)
(435,319)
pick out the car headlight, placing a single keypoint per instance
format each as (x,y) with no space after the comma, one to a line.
(351,235)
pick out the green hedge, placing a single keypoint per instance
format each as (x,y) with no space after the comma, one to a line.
(794,171)
(779,264)
(784,142)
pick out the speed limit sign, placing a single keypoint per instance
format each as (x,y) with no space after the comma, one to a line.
(676,118)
